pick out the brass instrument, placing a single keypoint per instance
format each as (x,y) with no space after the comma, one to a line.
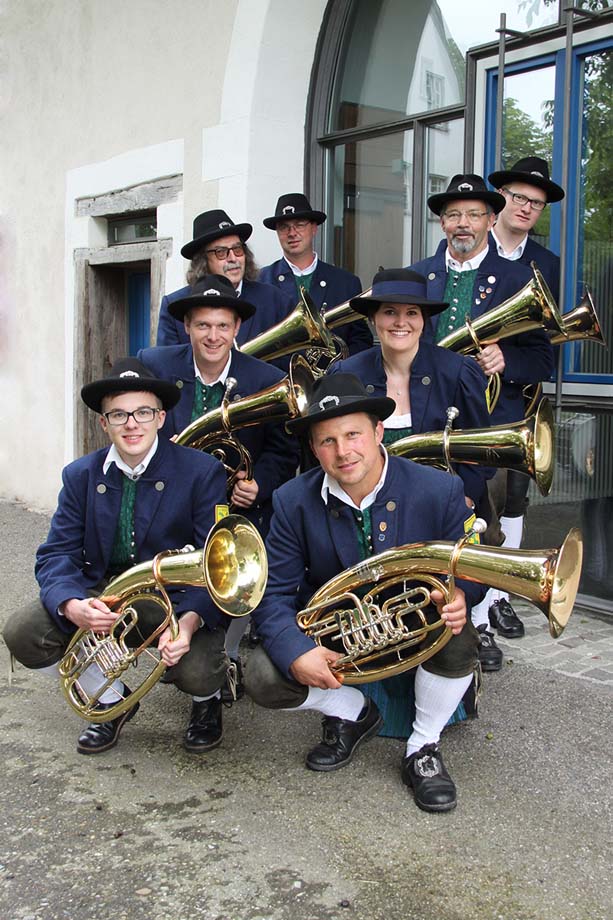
(384,631)
(342,313)
(233,568)
(527,446)
(304,328)
(532,307)
(214,431)
(580,324)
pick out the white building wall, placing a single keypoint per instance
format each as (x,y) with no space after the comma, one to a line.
(97,96)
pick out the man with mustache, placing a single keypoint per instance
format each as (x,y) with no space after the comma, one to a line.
(467,272)
(219,247)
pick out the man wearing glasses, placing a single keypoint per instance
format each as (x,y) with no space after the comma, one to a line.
(296,225)
(527,190)
(468,273)
(219,247)
(120,506)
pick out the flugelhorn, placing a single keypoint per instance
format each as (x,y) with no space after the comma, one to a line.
(375,613)
(304,328)
(532,307)
(214,432)
(527,446)
(233,568)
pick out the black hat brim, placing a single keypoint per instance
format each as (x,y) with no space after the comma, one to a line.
(553,191)
(93,393)
(178,308)
(366,306)
(317,216)
(243,231)
(436,202)
(381,406)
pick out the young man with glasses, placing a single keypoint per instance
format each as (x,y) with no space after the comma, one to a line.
(296,223)
(468,273)
(219,247)
(527,190)
(118,507)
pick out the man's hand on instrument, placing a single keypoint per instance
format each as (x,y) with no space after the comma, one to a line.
(313,669)
(245,491)
(172,650)
(491,360)
(453,613)
(89,613)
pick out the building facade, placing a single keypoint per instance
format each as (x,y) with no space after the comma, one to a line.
(122,121)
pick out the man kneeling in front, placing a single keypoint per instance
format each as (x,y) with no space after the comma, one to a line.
(360,502)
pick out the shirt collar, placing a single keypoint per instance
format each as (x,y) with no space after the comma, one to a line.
(222,376)
(239,288)
(302,271)
(515,254)
(469,265)
(135,473)
(330,486)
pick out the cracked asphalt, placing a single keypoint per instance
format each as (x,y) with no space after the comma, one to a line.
(149,832)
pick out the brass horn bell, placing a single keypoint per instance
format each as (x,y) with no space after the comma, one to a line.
(303,328)
(580,324)
(233,568)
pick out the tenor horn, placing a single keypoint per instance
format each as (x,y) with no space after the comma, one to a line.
(232,566)
(527,446)
(580,324)
(375,613)
(214,431)
(342,313)
(303,328)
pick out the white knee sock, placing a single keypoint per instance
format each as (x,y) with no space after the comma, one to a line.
(436,699)
(478,613)
(513,529)
(203,699)
(344,703)
(234,633)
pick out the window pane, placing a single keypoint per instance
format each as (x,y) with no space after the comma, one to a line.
(528,125)
(582,496)
(595,211)
(444,145)
(371,204)
(402,58)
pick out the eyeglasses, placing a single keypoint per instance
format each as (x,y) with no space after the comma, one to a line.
(142,415)
(537,204)
(222,252)
(285,227)
(453,217)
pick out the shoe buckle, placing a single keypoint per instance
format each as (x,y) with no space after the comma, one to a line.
(427,766)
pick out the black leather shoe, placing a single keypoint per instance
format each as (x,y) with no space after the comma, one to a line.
(433,788)
(341,737)
(205,729)
(102,736)
(226,693)
(503,618)
(490,655)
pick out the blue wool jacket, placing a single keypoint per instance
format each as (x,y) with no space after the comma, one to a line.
(175,505)
(274,452)
(311,541)
(330,286)
(439,379)
(529,356)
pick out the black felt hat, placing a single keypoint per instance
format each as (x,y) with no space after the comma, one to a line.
(469,187)
(293,206)
(211,225)
(211,291)
(532,171)
(129,375)
(397,285)
(340,394)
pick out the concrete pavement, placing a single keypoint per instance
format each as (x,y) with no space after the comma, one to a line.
(147,831)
